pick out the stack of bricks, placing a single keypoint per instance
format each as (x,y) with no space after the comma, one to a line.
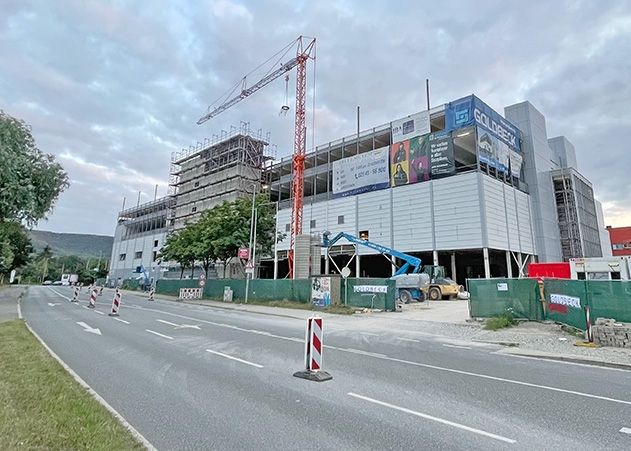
(609,332)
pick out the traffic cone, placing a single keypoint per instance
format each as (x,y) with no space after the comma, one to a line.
(116,303)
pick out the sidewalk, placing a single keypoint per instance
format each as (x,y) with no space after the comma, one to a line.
(9,296)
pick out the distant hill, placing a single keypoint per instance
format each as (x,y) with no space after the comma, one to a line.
(80,244)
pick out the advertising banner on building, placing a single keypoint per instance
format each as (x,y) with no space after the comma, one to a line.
(441,154)
(414,125)
(492,151)
(360,173)
(471,110)
(400,163)
(516,161)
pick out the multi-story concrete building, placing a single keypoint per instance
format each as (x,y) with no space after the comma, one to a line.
(140,233)
(461,186)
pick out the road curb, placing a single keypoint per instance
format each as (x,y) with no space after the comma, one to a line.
(134,432)
(569,359)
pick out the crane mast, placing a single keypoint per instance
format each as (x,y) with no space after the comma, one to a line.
(303,54)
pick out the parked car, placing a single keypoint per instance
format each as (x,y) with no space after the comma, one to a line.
(57,282)
(47,282)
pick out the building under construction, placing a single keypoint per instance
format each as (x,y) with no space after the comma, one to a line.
(225,168)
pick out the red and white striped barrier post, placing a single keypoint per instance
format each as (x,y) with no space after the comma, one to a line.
(75,295)
(116,304)
(100,291)
(152,295)
(589,332)
(92,299)
(314,344)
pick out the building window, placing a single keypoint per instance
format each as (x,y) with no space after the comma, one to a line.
(155,243)
(196,184)
(363,235)
(193,210)
(340,219)
(138,254)
(121,257)
(312,224)
(287,229)
(155,256)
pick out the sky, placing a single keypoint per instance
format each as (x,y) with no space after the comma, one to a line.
(112,88)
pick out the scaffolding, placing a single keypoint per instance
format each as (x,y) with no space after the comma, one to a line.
(222,168)
(568,217)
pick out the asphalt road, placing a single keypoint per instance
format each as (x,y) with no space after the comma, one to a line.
(193,377)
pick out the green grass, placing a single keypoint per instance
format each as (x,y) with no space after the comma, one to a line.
(502,321)
(43,407)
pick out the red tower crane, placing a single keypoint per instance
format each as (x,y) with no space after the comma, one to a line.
(305,50)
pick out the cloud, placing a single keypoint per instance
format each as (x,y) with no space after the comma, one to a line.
(112,88)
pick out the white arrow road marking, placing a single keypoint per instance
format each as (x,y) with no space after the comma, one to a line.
(179,326)
(51,304)
(234,358)
(87,328)
(625,430)
(432,418)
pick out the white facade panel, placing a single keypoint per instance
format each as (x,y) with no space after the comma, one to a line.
(512,225)
(375,216)
(411,217)
(494,204)
(525,223)
(457,222)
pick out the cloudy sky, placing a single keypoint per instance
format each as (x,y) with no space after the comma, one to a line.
(112,88)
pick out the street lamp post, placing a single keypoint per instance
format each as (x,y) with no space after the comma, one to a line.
(252,250)
(247,273)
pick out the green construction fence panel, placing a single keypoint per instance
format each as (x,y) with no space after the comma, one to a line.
(609,299)
(374,293)
(493,297)
(565,302)
(171,287)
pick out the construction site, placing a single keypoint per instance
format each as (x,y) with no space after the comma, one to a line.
(455,191)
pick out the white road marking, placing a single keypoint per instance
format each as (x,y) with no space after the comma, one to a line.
(166,322)
(359,351)
(19,310)
(456,346)
(408,339)
(100,313)
(407,362)
(234,358)
(433,418)
(542,359)
(158,334)
(369,333)
(122,320)
(188,326)
(52,304)
(625,430)
(90,329)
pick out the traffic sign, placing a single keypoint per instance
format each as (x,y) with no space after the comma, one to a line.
(202,279)
(244,253)
(249,267)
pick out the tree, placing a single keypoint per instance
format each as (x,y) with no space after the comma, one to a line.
(15,246)
(178,248)
(30,180)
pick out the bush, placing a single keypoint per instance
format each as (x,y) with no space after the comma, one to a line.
(506,319)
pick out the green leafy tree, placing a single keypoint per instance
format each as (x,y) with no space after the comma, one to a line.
(30,180)
(15,246)
(178,248)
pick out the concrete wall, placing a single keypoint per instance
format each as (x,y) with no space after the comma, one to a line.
(538,162)
(144,243)
(563,152)
(605,242)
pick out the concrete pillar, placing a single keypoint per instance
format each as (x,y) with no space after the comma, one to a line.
(357,265)
(435,256)
(509,265)
(275,265)
(393,261)
(326,261)
(453,265)
(520,263)
(487,265)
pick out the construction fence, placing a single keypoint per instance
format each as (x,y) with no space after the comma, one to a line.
(558,300)
(363,293)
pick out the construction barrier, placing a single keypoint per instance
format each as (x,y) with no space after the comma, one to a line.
(559,300)
(152,294)
(92,299)
(75,295)
(100,291)
(190,293)
(116,303)
(314,344)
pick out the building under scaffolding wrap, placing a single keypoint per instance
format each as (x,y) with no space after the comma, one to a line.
(225,168)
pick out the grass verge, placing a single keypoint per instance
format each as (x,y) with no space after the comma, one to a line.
(502,321)
(43,407)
